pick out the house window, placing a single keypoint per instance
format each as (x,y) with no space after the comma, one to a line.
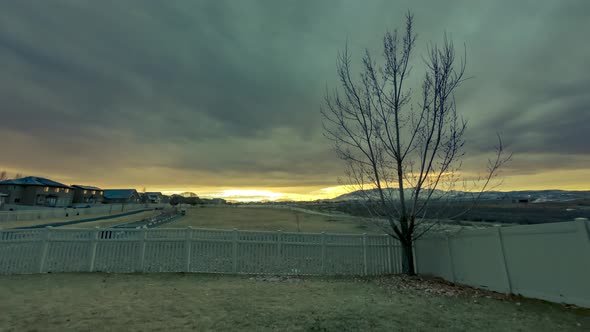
(101,192)
(46,189)
(85,192)
(67,190)
(93,192)
(56,190)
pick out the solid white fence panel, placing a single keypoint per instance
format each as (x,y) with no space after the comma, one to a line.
(546,261)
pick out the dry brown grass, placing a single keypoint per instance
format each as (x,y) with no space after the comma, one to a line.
(268,219)
(194,302)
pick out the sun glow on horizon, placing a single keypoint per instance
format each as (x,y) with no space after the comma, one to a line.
(564,180)
(269,195)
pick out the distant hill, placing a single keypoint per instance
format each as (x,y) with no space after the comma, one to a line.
(533,196)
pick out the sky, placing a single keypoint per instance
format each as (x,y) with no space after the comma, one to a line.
(223,97)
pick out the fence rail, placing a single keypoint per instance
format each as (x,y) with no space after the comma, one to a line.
(196,250)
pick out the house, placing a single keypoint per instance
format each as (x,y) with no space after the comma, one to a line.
(2,200)
(218,201)
(34,190)
(121,196)
(87,194)
(154,197)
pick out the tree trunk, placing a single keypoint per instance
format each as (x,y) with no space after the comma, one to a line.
(408,258)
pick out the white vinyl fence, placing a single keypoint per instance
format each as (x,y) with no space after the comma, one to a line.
(23,213)
(545,261)
(196,250)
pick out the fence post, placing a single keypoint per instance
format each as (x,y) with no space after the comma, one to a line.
(581,225)
(451,262)
(585,236)
(93,245)
(187,243)
(388,267)
(142,240)
(44,249)
(235,252)
(505,264)
(395,255)
(365,267)
(280,251)
(323,252)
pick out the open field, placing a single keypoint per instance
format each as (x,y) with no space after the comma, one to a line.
(115,221)
(492,211)
(193,302)
(269,219)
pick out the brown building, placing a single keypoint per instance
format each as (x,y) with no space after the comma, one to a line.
(87,194)
(121,196)
(33,190)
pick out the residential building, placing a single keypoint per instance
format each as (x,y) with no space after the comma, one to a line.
(87,194)
(121,196)
(154,197)
(34,190)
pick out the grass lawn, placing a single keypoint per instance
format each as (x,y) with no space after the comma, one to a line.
(195,302)
(268,219)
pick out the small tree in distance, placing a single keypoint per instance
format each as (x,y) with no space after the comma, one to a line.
(175,200)
(403,157)
(4,176)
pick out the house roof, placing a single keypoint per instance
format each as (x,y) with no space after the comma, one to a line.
(154,193)
(34,181)
(119,193)
(85,187)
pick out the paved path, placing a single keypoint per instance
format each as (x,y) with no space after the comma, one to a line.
(149,222)
(64,223)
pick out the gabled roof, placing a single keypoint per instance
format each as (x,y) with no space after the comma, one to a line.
(119,193)
(34,181)
(85,187)
(154,193)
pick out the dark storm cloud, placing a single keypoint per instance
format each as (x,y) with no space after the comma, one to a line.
(234,87)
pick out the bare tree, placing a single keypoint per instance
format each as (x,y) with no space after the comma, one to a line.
(402,155)
(4,176)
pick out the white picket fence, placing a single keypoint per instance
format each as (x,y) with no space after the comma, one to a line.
(196,250)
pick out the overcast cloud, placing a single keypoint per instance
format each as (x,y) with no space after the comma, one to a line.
(227,93)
